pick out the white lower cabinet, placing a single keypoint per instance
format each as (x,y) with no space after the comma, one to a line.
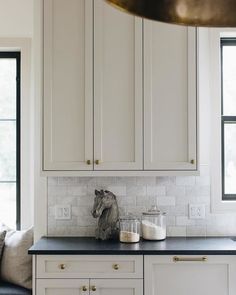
(185,275)
(123,275)
(89,274)
(85,287)
(89,266)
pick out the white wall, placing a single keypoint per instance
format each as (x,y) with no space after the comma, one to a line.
(16,18)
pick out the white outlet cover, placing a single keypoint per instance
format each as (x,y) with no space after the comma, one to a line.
(197,211)
(63,212)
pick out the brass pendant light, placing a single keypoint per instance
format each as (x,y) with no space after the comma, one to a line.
(203,13)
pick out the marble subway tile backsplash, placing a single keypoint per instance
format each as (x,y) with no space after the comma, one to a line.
(135,195)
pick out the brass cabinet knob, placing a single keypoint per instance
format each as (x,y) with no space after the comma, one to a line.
(88,162)
(93,288)
(84,288)
(192,161)
(97,162)
(116,266)
(62,266)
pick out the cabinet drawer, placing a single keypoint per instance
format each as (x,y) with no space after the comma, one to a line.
(190,274)
(84,266)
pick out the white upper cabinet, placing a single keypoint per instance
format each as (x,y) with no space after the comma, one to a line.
(170,97)
(68,84)
(118,95)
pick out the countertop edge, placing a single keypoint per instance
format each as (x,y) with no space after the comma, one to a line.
(171,246)
(132,252)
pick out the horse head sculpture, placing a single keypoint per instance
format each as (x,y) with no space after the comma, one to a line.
(106,209)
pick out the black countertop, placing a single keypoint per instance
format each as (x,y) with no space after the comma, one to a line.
(171,246)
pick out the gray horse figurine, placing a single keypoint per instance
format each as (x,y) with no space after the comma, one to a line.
(106,209)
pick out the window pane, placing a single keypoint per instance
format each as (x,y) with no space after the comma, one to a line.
(7,151)
(229,78)
(230,158)
(8,204)
(7,88)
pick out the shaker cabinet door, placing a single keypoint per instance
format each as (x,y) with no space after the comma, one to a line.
(116,287)
(117,89)
(62,287)
(170,97)
(68,85)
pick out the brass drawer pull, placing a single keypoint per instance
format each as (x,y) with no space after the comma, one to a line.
(62,266)
(192,162)
(93,288)
(88,162)
(116,266)
(84,288)
(97,162)
(191,259)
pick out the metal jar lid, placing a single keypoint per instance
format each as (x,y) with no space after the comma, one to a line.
(154,211)
(129,217)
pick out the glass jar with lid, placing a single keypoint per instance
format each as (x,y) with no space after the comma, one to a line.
(129,229)
(154,224)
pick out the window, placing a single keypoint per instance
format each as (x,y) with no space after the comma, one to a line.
(221,110)
(10,138)
(228,117)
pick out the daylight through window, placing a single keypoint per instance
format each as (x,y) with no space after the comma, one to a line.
(228,117)
(10,138)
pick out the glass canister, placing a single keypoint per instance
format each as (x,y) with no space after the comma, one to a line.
(129,229)
(154,224)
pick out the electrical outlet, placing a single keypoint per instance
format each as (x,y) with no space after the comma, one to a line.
(63,212)
(197,211)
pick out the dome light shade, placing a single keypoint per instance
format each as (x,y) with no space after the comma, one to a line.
(202,13)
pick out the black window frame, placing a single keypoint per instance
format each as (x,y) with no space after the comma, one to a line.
(17,56)
(225,120)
